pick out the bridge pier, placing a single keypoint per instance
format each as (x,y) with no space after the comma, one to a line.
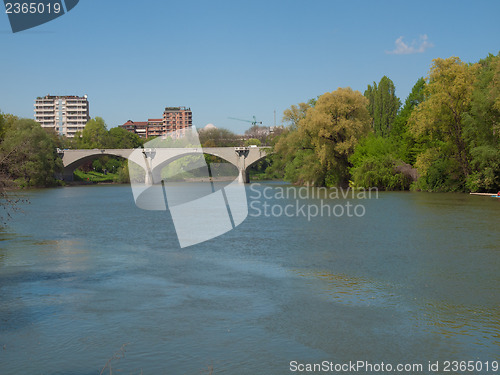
(148,179)
(243,176)
(148,155)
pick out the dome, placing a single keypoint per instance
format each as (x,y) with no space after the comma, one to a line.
(209,126)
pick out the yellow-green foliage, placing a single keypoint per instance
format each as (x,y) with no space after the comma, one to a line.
(321,137)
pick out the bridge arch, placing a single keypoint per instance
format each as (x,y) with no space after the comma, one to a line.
(72,159)
(157,168)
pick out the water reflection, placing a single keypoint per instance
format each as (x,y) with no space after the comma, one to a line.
(480,324)
(351,290)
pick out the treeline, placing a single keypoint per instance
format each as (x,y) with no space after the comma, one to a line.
(445,137)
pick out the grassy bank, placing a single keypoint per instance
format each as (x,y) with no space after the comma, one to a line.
(93,176)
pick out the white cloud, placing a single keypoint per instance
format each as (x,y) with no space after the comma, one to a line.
(415,47)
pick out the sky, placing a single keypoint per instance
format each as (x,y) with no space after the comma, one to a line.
(233,58)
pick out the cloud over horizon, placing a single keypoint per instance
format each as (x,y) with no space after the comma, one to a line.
(404,49)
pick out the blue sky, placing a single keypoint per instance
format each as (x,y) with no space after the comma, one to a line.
(233,58)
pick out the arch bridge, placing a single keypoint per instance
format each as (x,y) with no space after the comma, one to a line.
(241,157)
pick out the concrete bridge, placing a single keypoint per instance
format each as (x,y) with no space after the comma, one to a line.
(241,157)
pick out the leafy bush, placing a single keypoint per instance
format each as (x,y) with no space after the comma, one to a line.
(374,164)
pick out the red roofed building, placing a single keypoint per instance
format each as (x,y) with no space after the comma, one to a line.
(137,127)
(174,118)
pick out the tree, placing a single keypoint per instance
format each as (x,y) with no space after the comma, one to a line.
(295,113)
(8,201)
(28,155)
(386,162)
(320,138)
(416,96)
(2,125)
(292,146)
(408,147)
(294,159)
(121,138)
(482,127)
(438,121)
(383,105)
(94,135)
(336,123)
(483,120)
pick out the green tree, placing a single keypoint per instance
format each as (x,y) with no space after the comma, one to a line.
(291,146)
(121,138)
(28,155)
(408,148)
(482,127)
(386,162)
(320,138)
(94,135)
(416,96)
(438,121)
(294,159)
(383,105)
(336,123)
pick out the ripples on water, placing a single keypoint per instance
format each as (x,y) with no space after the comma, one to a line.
(83,272)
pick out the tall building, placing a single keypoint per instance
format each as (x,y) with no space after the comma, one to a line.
(177,118)
(65,114)
(174,119)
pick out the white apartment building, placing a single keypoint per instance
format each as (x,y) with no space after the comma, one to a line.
(65,114)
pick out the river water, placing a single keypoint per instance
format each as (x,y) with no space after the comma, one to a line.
(85,273)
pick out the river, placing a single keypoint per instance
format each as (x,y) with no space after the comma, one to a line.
(84,273)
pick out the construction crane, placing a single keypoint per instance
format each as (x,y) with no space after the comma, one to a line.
(254,122)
